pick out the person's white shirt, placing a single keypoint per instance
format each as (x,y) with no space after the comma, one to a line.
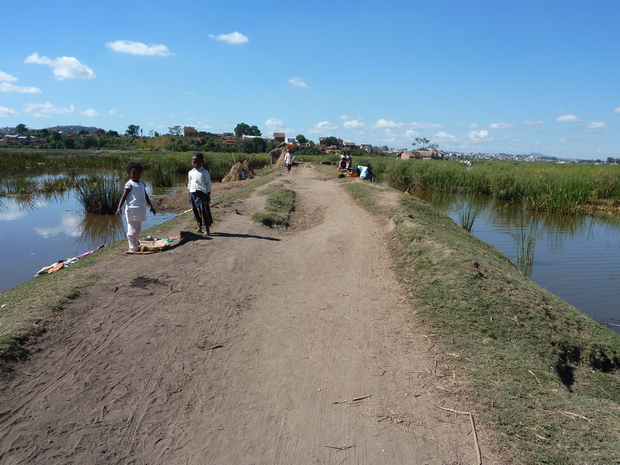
(199,180)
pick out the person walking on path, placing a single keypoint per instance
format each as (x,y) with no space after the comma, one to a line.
(288,161)
(136,199)
(199,187)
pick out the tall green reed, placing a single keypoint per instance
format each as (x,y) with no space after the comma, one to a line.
(525,243)
(100,194)
(467,210)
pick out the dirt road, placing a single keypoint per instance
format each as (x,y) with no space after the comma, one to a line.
(253,346)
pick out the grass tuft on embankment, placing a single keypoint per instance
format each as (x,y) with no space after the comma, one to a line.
(542,375)
(280,204)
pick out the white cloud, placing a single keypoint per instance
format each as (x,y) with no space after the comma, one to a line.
(424,126)
(12,213)
(5,112)
(345,117)
(6,87)
(385,124)
(69,225)
(500,126)
(114,112)
(232,38)
(324,127)
(138,48)
(411,134)
(44,110)
(299,82)
(567,119)
(478,135)
(473,126)
(63,67)
(445,137)
(354,124)
(616,110)
(91,113)
(275,125)
(6,77)
(534,123)
(597,125)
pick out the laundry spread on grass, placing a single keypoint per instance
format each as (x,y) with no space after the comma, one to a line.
(64,263)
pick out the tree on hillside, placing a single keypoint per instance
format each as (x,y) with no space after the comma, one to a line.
(21,129)
(253,145)
(331,141)
(301,139)
(423,144)
(243,129)
(174,130)
(132,131)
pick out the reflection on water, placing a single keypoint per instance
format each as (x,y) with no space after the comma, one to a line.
(38,231)
(576,257)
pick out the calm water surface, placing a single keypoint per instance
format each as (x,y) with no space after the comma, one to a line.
(50,230)
(575,258)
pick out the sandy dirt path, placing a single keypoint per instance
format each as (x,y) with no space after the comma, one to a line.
(253,346)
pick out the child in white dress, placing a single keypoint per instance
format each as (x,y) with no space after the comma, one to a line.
(135,208)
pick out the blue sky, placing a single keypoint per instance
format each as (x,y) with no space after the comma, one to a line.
(483,76)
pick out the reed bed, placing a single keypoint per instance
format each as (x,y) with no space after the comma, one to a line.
(555,188)
(42,172)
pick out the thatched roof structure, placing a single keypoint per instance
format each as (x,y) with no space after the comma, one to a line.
(239,172)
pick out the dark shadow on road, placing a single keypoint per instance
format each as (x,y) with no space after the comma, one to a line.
(247,236)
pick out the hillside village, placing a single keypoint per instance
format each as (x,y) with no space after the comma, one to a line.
(80,137)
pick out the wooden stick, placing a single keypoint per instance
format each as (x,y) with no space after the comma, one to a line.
(611,324)
(473,427)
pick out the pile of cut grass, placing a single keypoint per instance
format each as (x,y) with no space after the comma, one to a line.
(542,375)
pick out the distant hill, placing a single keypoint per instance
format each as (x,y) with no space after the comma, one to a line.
(91,129)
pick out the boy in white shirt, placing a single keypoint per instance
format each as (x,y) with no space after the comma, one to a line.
(199,193)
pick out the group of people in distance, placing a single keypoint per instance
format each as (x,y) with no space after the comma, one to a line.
(136,199)
(363,171)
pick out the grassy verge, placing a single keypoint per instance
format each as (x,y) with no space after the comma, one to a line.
(280,204)
(540,374)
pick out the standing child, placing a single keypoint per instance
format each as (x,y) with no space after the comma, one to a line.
(199,186)
(135,208)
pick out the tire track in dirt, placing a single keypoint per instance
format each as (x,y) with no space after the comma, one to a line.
(252,346)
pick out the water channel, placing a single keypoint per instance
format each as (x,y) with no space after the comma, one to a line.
(43,231)
(575,258)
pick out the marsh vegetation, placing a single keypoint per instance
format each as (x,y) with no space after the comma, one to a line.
(569,189)
(97,177)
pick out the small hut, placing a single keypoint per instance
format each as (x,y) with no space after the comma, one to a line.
(239,172)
